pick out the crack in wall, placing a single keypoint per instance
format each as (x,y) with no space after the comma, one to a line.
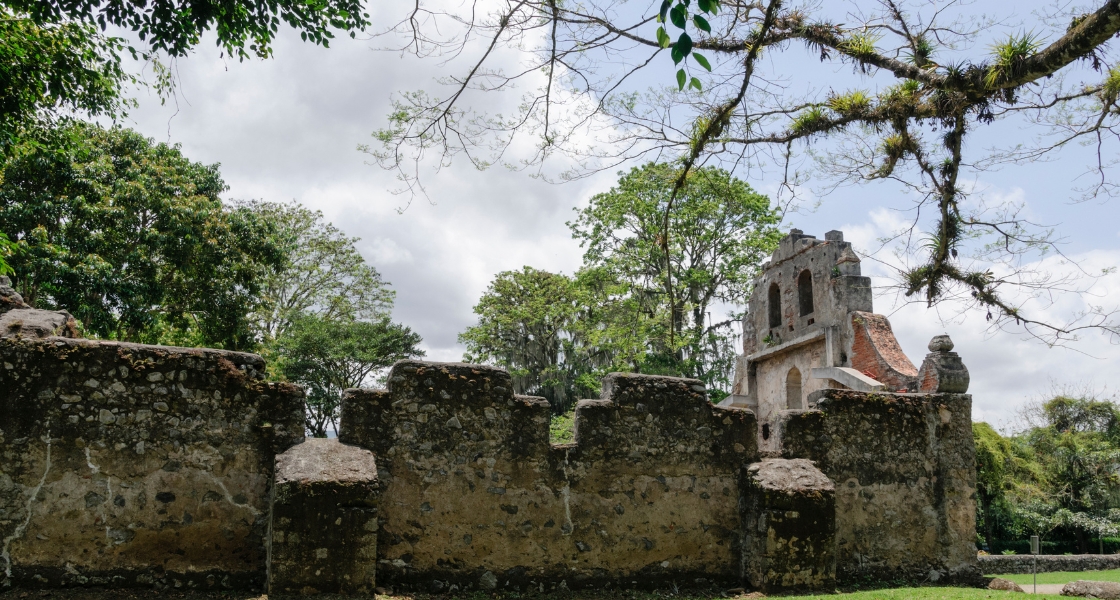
(565,493)
(22,528)
(108,493)
(229,497)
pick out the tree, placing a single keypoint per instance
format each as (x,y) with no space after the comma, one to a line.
(240,26)
(328,356)
(722,229)
(559,335)
(132,238)
(1059,477)
(52,69)
(55,58)
(583,64)
(1079,450)
(322,273)
(529,322)
(993,455)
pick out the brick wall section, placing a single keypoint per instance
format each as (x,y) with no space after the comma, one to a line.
(135,465)
(875,352)
(904,470)
(474,497)
(1023,563)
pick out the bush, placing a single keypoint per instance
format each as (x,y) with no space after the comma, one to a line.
(1111,546)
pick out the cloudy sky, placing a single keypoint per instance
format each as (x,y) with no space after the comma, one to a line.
(288,129)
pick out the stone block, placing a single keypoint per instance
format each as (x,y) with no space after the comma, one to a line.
(789,522)
(1105,590)
(323,532)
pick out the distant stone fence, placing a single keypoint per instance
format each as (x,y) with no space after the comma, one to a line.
(1022,563)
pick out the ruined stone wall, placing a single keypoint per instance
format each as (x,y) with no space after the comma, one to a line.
(474,497)
(904,470)
(129,465)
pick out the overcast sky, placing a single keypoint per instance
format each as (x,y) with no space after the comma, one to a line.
(288,128)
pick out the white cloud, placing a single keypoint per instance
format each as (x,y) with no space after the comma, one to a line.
(288,128)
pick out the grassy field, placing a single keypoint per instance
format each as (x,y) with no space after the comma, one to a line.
(1065,577)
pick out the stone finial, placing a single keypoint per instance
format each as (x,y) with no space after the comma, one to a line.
(940,343)
(942,370)
(848,263)
(847,256)
(834,236)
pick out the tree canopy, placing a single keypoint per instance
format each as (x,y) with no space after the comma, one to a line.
(721,231)
(1059,478)
(242,27)
(48,69)
(132,238)
(56,59)
(328,356)
(529,322)
(322,272)
(559,335)
(744,96)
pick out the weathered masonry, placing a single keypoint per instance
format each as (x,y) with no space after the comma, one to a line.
(836,461)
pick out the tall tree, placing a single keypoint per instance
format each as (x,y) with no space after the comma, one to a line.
(529,322)
(328,356)
(621,311)
(943,73)
(722,229)
(1058,478)
(132,238)
(322,272)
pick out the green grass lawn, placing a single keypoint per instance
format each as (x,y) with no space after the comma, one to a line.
(1065,577)
(922,593)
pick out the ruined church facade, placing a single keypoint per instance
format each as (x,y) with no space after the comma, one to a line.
(835,461)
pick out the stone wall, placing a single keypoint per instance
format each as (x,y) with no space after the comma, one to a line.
(1023,563)
(474,497)
(904,470)
(132,465)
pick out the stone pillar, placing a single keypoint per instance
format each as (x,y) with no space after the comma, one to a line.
(323,533)
(942,371)
(789,526)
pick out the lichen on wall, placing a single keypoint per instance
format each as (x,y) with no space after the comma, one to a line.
(130,465)
(904,470)
(474,497)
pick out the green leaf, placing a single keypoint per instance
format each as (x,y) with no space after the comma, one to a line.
(678,16)
(681,78)
(684,44)
(664,10)
(714,4)
(663,38)
(696,84)
(676,54)
(704,5)
(702,23)
(703,61)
